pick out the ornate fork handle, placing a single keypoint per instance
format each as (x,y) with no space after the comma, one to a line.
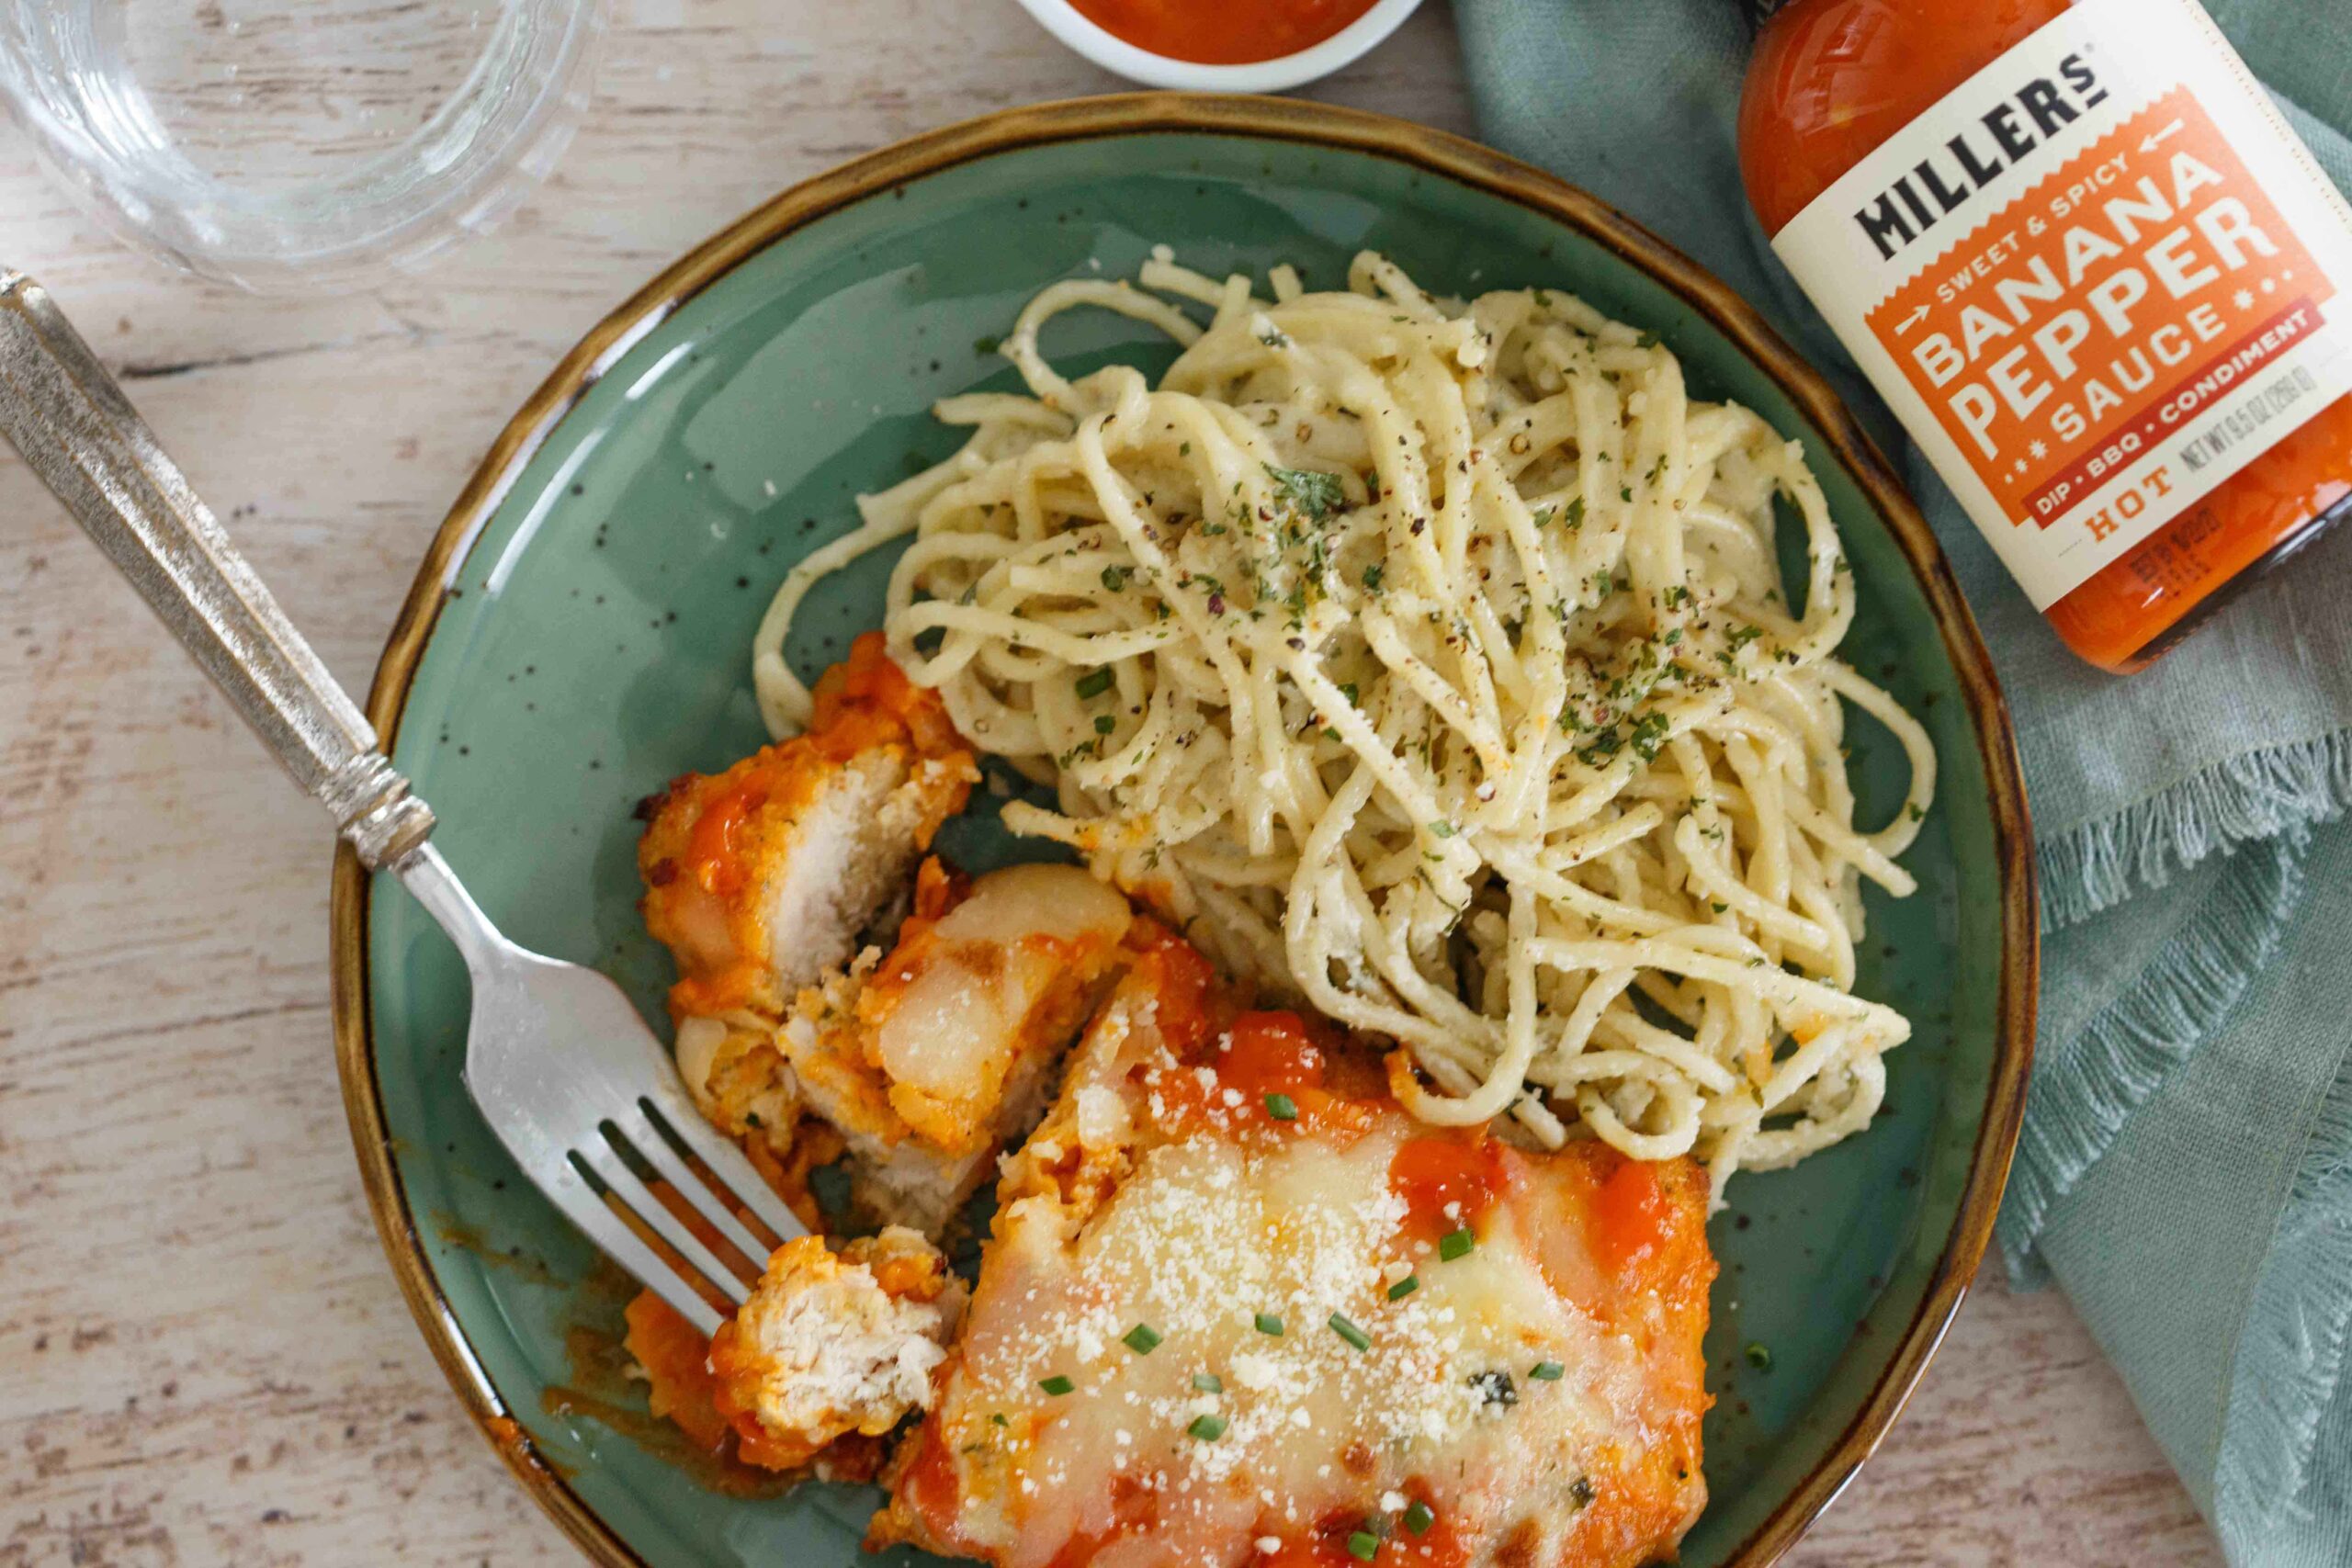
(81,437)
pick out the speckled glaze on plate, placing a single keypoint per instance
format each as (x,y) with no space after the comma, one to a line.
(578,635)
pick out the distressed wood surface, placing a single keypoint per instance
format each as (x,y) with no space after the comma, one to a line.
(203,1358)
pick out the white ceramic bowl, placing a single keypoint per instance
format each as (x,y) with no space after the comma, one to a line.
(1112,52)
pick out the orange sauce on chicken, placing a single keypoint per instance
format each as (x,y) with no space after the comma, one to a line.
(1326,1544)
(1448,1183)
(706,842)
(1629,1215)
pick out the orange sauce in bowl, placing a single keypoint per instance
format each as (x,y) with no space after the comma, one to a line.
(1222,32)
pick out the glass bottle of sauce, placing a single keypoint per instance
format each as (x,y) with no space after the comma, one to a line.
(2095,273)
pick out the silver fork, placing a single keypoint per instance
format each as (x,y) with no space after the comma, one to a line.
(565,1070)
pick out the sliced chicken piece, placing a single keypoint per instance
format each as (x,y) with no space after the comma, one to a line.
(831,1344)
(946,1049)
(926,1060)
(762,878)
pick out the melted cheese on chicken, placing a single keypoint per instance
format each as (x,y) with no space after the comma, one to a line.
(1239,1307)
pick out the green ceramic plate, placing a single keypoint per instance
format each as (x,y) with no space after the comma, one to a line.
(580,636)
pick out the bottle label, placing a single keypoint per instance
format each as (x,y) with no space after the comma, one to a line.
(2095,281)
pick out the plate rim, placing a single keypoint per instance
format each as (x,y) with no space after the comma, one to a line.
(1293,120)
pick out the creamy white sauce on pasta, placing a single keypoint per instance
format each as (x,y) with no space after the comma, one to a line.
(1428,662)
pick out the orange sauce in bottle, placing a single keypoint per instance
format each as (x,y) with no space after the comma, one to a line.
(1222,32)
(1830,82)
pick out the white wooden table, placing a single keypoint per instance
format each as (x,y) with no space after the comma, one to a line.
(203,1358)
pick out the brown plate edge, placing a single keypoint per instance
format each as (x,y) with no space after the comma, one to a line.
(1288,120)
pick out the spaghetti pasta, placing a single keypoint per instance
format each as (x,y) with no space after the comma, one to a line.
(1429,662)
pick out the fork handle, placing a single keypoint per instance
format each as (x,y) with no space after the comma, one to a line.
(79,433)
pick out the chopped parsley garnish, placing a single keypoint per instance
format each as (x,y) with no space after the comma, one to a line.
(1104,723)
(1758,1356)
(1547,1372)
(1057,1385)
(1363,1546)
(1315,493)
(1605,745)
(1456,1244)
(1143,1340)
(1371,575)
(1419,1518)
(1576,512)
(1114,578)
(1208,1383)
(1349,1332)
(1442,829)
(1269,1323)
(1740,637)
(1649,735)
(1404,1287)
(1094,682)
(1207,1428)
(1282,1107)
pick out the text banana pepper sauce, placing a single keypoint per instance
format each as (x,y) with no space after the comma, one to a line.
(2095,275)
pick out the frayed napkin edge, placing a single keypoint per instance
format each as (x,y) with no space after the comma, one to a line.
(2300,1316)
(2084,1088)
(2256,796)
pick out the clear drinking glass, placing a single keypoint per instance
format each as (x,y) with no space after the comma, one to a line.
(287,144)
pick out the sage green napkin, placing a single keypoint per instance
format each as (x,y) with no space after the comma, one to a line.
(2185,1170)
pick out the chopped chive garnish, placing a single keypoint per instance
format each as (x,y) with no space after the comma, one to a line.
(1282,1107)
(1143,1340)
(1404,1287)
(1456,1244)
(1057,1385)
(1547,1372)
(1363,1546)
(1758,1356)
(1269,1323)
(1208,1428)
(1418,1518)
(1095,683)
(1351,1332)
(1208,1383)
